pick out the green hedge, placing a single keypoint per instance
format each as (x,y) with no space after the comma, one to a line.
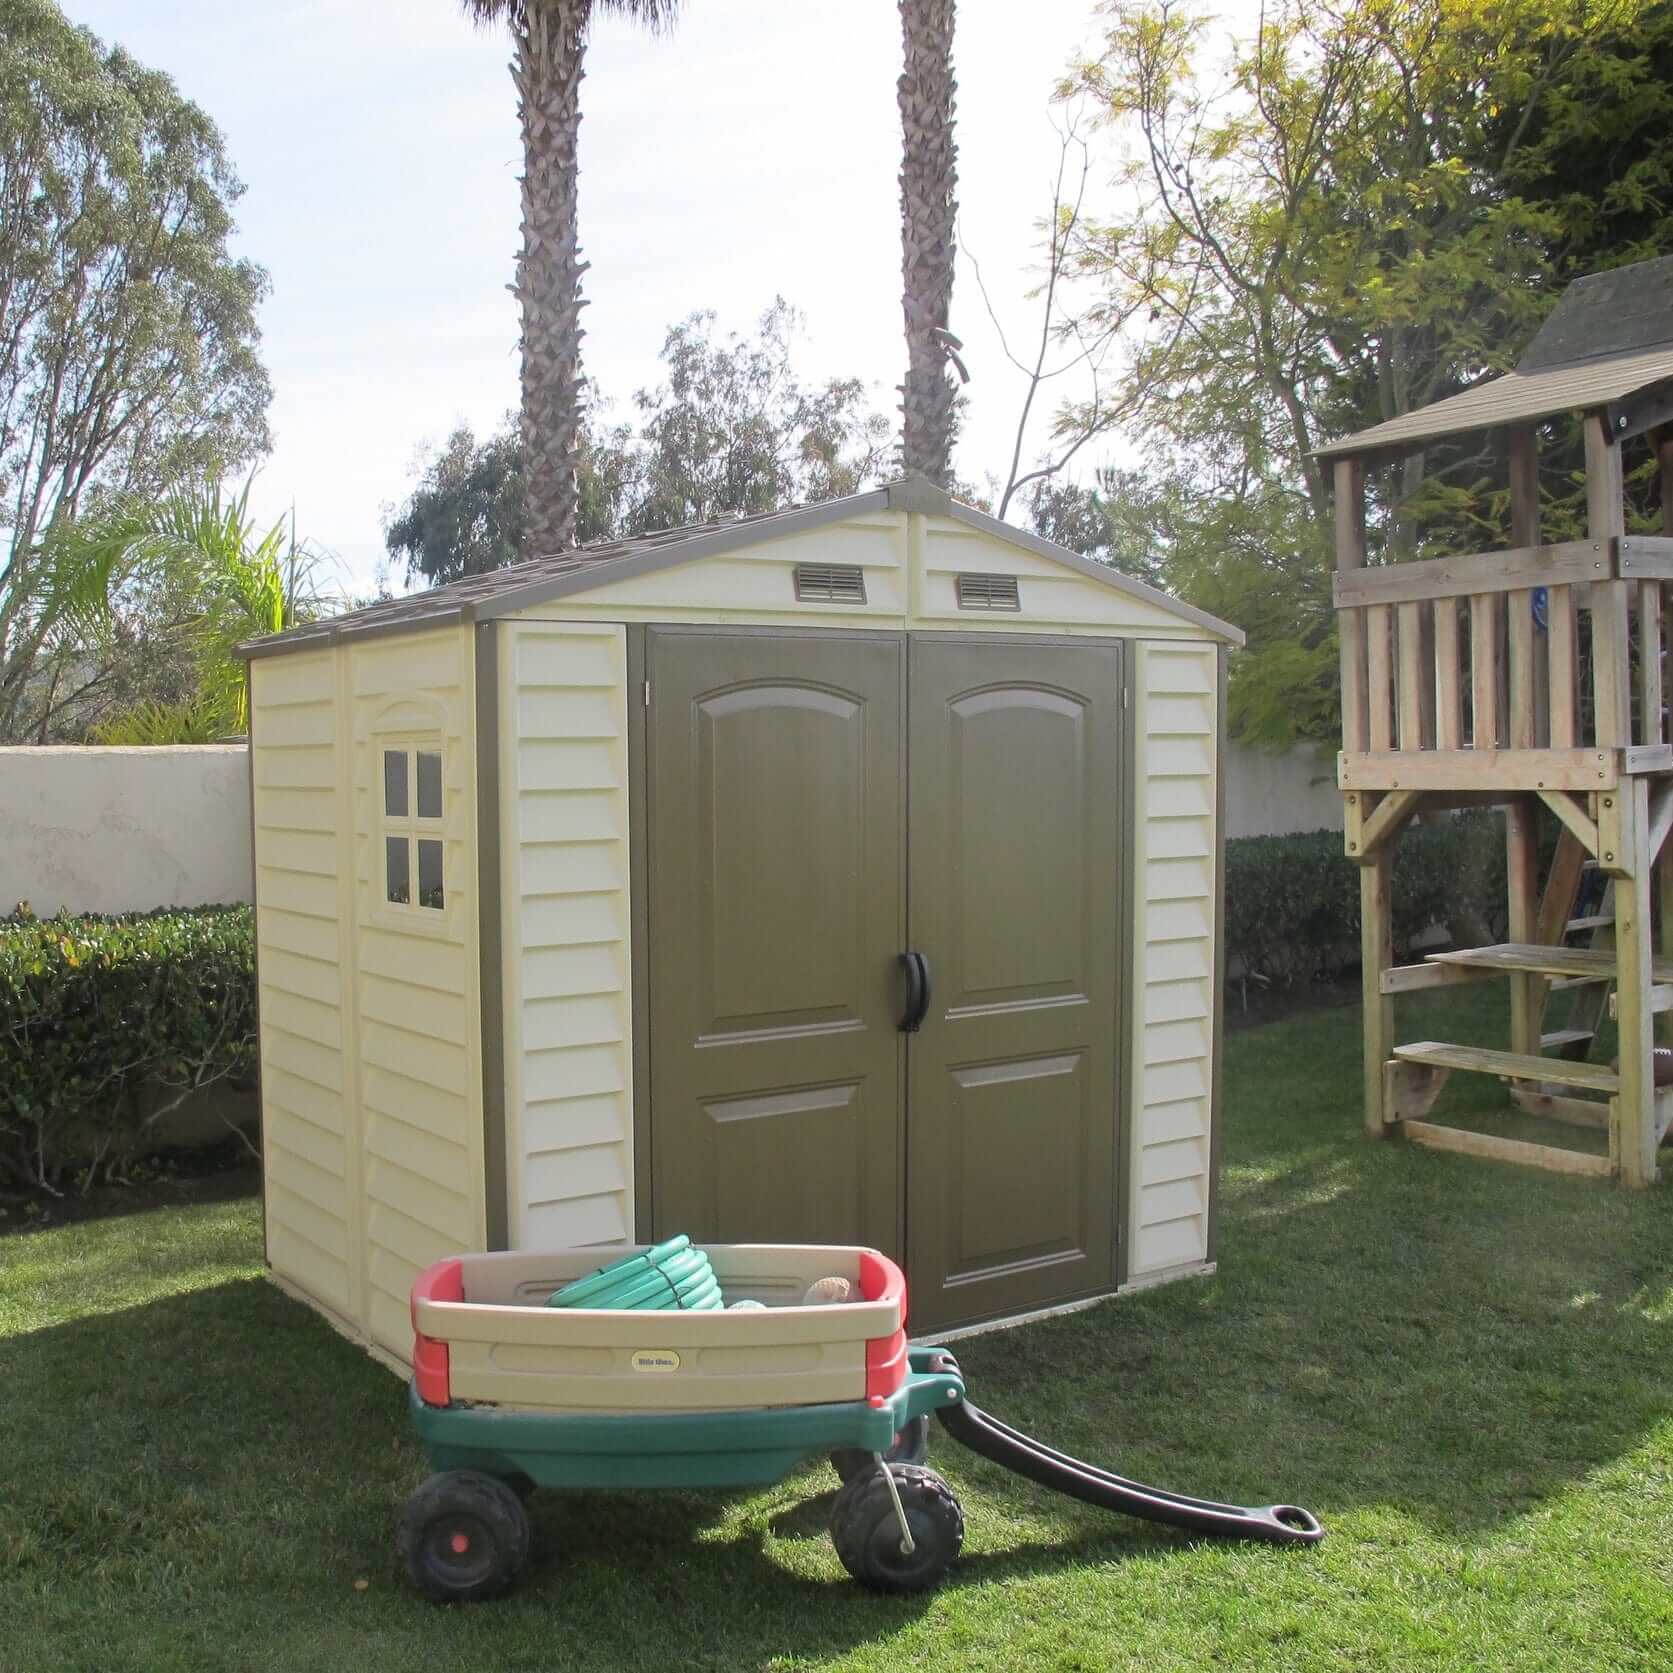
(1292,902)
(108,1023)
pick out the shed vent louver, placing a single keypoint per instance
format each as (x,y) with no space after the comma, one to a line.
(988,592)
(830,583)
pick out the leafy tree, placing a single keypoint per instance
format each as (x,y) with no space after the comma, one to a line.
(1374,210)
(731,429)
(127,330)
(550,41)
(928,223)
(466,514)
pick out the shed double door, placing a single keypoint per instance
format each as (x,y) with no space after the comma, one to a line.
(818,805)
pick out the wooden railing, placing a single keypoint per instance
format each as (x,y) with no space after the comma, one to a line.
(1525,668)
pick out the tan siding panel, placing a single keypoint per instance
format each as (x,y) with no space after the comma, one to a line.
(301,724)
(299,840)
(567,991)
(421,1010)
(321,1066)
(423,1200)
(295,1256)
(301,1176)
(306,679)
(301,1136)
(568,815)
(439,964)
(312,852)
(1184,1159)
(570,868)
(318,978)
(1174,930)
(295,769)
(410,1099)
(553,972)
(572,1072)
(294,810)
(577,1221)
(1167,1123)
(589,1020)
(302,1017)
(308,1219)
(291,932)
(296,891)
(436,1062)
(1175,1243)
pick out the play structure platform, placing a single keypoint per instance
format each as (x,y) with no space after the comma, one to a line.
(1532,679)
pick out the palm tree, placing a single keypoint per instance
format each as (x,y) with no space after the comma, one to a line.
(232,581)
(928,210)
(550,38)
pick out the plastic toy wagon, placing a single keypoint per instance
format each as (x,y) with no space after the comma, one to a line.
(510,1394)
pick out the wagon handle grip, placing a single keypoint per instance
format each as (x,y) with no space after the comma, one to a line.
(917,991)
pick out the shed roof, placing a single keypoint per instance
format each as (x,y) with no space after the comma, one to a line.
(536,581)
(1609,339)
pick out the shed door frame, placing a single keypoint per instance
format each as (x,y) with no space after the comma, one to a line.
(639,846)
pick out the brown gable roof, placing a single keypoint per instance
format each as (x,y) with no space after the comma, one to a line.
(1608,340)
(535,581)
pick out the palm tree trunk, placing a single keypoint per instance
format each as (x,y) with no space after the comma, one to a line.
(551,45)
(928,210)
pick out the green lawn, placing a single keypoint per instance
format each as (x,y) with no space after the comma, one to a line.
(1467,1370)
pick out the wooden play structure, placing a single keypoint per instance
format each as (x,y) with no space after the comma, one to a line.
(1529,678)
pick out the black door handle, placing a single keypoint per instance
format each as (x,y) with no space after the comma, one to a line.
(917,991)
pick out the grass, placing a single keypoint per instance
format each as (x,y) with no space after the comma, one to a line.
(1465,1369)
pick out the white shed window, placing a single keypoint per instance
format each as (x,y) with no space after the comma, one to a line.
(412,828)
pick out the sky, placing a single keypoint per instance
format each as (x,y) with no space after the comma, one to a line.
(752,153)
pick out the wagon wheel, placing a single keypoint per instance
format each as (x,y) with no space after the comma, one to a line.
(866,1530)
(911,1446)
(463,1536)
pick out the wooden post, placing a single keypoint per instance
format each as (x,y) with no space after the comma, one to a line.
(1611,651)
(1350,624)
(1526,666)
(1522,872)
(1376,953)
(1484,670)
(1664,941)
(1635,1104)
(1449,681)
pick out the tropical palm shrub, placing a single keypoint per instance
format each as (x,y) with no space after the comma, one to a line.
(231,579)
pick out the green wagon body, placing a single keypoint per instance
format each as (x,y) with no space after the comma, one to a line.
(739,1448)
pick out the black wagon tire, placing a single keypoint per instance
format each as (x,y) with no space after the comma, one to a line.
(463,1536)
(911,1446)
(866,1533)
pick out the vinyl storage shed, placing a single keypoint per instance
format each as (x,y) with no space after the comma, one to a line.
(596,898)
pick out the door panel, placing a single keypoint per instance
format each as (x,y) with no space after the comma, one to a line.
(776,905)
(1014,889)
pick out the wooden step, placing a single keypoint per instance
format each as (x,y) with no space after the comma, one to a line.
(1511,1065)
(1601,920)
(1578,982)
(1463,1143)
(1593,962)
(1555,1039)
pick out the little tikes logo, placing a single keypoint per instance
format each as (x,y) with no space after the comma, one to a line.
(656,1359)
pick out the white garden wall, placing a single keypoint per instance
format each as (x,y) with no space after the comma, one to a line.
(124,830)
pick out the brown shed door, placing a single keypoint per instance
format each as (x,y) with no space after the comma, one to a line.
(1013,873)
(784,1099)
(777,829)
